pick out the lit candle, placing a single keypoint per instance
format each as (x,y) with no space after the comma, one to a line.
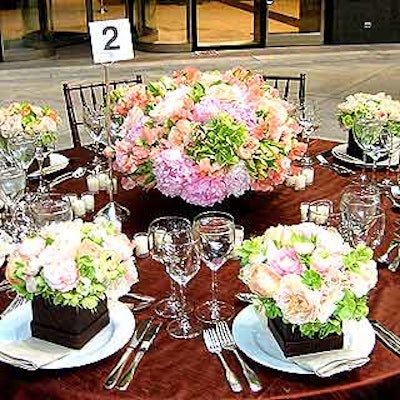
(308,173)
(79,208)
(239,235)
(290,181)
(88,199)
(141,244)
(304,208)
(300,182)
(92,184)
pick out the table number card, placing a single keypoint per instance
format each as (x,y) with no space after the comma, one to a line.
(111,40)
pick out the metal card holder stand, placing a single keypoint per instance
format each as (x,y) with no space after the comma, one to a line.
(112,211)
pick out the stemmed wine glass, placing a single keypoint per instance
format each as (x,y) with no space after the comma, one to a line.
(214,235)
(22,149)
(387,182)
(182,264)
(43,150)
(12,187)
(373,140)
(159,234)
(308,119)
(94,121)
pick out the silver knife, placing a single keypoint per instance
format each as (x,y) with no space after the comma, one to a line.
(387,337)
(116,372)
(147,341)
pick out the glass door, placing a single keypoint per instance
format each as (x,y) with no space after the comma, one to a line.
(227,23)
(292,22)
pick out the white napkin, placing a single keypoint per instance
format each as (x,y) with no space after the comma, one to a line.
(31,353)
(331,362)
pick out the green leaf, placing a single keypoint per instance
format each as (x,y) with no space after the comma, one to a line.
(312,279)
(361,254)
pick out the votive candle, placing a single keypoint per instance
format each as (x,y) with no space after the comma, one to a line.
(141,244)
(92,183)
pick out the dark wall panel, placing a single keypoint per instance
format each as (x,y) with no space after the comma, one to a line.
(362,21)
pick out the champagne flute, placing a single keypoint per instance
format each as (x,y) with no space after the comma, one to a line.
(182,264)
(214,235)
(159,234)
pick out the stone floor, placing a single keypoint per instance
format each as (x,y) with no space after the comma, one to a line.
(333,72)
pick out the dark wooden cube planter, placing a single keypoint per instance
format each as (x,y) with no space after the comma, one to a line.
(293,343)
(68,326)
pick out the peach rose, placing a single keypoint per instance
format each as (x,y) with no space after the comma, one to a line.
(89,248)
(298,303)
(263,280)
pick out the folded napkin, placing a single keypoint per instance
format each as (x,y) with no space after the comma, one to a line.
(31,353)
(332,362)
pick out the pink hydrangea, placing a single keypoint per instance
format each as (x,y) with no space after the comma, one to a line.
(237,180)
(173,172)
(205,190)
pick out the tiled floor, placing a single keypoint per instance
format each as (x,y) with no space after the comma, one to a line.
(333,72)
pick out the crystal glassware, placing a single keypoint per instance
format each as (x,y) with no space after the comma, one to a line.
(373,140)
(158,234)
(308,119)
(182,264)
(387,182)
(22,149)
(214,235)
(47,208)
(43,150)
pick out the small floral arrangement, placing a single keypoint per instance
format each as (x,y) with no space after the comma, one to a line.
(380,107)
(74,264)
(40,123)
(309,277)
(204,136)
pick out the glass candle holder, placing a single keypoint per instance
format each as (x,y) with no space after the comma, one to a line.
(141,244)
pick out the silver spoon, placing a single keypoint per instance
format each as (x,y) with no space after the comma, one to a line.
(78,173)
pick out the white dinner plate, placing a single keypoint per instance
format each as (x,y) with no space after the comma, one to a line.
(16,326)
(255,340)
(340,152)
(57,163)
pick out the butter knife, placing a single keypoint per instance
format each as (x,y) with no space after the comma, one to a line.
(147,342)
(387,337)
(116,372)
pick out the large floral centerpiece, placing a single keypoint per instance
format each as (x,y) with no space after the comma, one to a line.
(308,277)
(40,123)
(204,136)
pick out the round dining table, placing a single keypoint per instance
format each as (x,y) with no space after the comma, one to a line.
(184,369)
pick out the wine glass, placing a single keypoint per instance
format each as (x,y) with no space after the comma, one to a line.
(373,140)
(387,182)
(12,187)
(42,151)
(308,119)
(159,233)
(94,121)
(182,264)
(214,235)
(22,149)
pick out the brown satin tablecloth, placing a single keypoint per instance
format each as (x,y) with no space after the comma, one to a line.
(183,369)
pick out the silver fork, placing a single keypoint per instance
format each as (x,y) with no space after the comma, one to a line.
(16,302)
(213,346)
(339,169)
(384,258)
(228,343)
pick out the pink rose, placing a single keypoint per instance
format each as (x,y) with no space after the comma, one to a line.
(285,261)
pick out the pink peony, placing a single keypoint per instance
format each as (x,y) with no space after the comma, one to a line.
(285,261)
(61,275)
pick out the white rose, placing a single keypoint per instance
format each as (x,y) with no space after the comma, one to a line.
(363,281)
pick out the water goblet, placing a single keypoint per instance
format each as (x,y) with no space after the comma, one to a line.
(387,182)
(214,235)
(373,140)
(159,233)
(47,208)
(22,149)
(42,151)
(182,264)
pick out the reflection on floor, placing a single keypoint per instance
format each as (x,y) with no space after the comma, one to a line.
(218,21)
